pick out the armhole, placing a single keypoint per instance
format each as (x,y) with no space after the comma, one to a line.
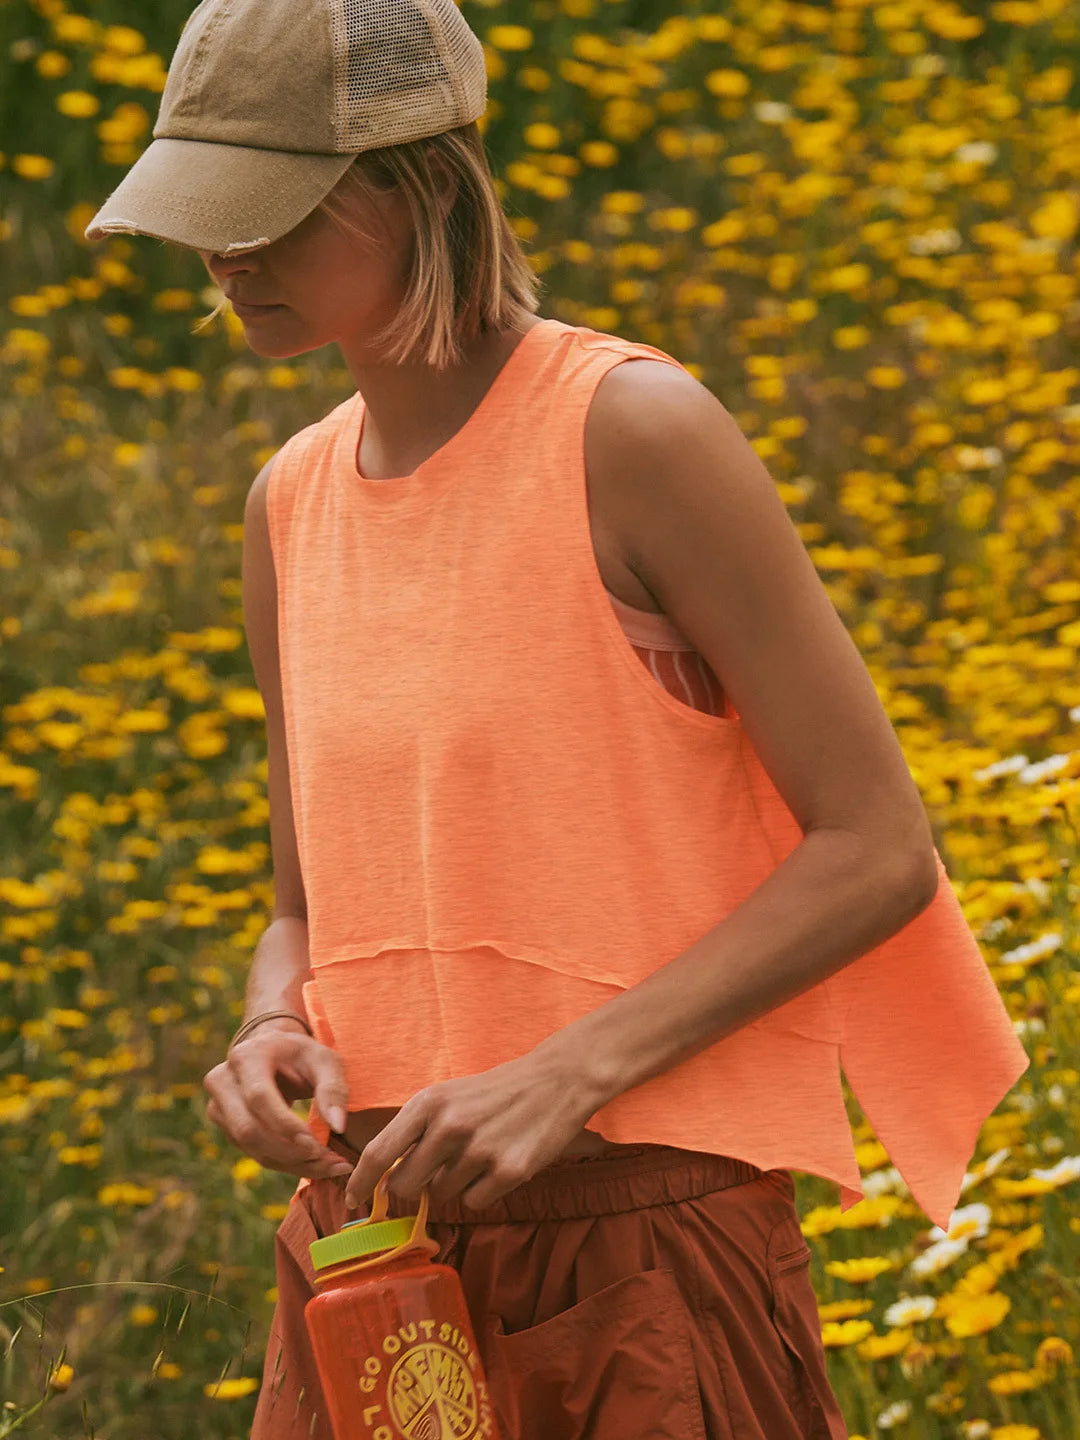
(727,720)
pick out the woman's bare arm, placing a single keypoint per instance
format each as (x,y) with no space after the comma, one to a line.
(252,1089)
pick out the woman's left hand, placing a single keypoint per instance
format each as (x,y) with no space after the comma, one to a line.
(481,1135)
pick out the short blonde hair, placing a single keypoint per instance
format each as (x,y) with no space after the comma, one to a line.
(468,272)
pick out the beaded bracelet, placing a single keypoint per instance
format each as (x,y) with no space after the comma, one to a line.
(249,1025)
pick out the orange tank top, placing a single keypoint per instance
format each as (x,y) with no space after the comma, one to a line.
(504,819)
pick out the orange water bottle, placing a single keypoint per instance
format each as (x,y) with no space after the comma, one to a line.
(391,1333)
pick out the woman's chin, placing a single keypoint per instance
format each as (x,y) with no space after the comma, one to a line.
(275,348)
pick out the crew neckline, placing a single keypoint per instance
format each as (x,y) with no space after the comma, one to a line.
(353,433)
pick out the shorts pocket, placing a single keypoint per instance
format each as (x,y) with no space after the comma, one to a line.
(294,1234)
(795,1318)
(618,1365)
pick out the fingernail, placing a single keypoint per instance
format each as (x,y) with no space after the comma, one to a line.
(339,1170)
(335,1116)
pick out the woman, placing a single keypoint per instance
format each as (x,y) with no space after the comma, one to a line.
(543,923)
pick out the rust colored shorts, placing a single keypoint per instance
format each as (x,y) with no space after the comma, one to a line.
(657,1294)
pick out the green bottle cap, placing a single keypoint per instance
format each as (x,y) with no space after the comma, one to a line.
(357,1237)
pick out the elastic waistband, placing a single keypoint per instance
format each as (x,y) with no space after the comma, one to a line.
(602,1185)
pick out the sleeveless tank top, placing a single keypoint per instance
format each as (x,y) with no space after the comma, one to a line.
(503,819)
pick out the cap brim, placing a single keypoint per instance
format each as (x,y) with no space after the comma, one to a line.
(221,198)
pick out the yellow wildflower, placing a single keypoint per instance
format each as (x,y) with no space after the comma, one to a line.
(860,1271)
(509,37)
(33,167)
(846,1332)
(231,1389)
(976,1316)
(78,103)
(727,83)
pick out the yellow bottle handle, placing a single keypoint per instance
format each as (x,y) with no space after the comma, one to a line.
(418,1240)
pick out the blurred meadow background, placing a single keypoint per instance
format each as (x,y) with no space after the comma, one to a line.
(855,222)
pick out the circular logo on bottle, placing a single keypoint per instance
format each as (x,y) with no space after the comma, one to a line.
(431,1394)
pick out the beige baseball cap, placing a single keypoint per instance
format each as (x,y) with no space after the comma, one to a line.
(267,102)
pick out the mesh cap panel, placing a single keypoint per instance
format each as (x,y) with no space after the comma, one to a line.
(403,69)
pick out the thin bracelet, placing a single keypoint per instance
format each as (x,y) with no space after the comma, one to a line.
(249,1025)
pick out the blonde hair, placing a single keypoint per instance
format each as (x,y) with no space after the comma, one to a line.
(468,272)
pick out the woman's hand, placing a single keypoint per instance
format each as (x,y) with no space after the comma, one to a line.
(251,1093)
(481,1135)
